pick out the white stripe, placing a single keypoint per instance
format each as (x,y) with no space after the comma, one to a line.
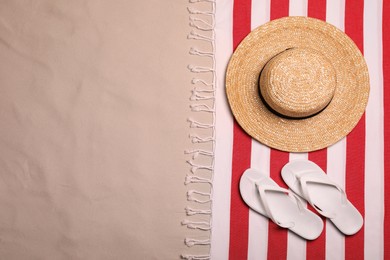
(298,156)
(260,12)
(258,225)
(296,246)
(335,13)
(336,154)
(298,8)
(374,167)
(260,158)
(224,135)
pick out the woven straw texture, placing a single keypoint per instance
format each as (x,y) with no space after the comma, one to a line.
(314,84)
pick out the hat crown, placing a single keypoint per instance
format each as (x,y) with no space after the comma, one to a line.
(298,82)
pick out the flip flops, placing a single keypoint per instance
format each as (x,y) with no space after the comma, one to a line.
(308,180)
(282,206)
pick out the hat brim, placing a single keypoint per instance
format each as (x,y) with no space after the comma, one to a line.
(297,135)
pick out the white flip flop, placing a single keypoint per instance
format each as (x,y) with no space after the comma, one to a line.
(309,181)
(280,205)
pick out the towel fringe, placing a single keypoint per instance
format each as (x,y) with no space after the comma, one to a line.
(196,179)
(191,211)
(202,136)
(201,37)
(203,90)
(195,167)
(205,26)
(201,108)
(197,1)
(197,11)
(193,242)
(195,257)
(196,96)
(195,51)
(196,80)
(195,153)
(199,69)
(197,139)
(191,196)
(196,124)
(200,225)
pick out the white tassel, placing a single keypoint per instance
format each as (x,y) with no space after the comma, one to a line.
(199,69)
(193,242)
(201,108)
(197,139)
(191,197)
(195,124)
(196,179)
(196,80)
(196,36)
(195,167)
(195,11)
(201,225)
(195,257)
(206,26)
(197,152)
(191,211)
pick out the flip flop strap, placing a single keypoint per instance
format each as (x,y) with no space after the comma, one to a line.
(263,197)
(324,180)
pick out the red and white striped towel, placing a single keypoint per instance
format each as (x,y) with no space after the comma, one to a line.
(359,162)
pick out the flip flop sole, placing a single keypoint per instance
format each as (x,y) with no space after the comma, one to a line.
(326,198)
(305,223)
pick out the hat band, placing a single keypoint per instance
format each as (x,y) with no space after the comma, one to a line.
(289,117)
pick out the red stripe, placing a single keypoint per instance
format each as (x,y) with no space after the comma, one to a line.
(317,9)
(241,20)
(386,90)
(277,237)
(316,249)
(279,8)
(354,179)
(320,158)
(239,212)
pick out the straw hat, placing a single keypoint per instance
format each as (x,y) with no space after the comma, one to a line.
(297,84)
